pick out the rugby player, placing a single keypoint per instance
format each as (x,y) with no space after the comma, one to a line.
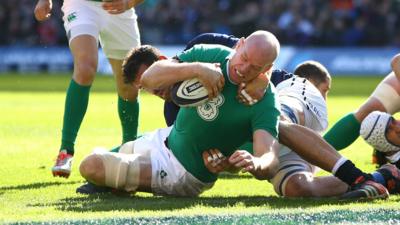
(113,24)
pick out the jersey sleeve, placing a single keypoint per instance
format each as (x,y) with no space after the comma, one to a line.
(213,38)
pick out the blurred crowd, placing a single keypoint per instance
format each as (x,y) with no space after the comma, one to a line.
(295,22)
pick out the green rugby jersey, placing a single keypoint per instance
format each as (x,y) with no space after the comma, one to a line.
(222,123)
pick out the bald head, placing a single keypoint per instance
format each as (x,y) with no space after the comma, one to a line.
(265,44)
(254,55)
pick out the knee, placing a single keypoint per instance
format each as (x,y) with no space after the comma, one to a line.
(85,70)
(92,169)
(128,92)
(298,186)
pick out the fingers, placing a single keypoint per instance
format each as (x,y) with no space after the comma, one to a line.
(214,160)
(42,13)
(242,160)
(248,99)
(114,6)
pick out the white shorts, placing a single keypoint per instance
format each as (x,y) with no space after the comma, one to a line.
(117,33)
(296,97)
(291,164)
(169,177)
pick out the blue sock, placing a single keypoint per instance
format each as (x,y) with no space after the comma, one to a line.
(378,177)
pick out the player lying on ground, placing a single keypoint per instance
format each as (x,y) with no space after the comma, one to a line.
(301,103)
(385,98)
(169,161)
(257,86)
(292,134)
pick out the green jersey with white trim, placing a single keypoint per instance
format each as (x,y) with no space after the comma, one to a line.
(222,123)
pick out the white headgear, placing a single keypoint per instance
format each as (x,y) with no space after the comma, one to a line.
(373,130)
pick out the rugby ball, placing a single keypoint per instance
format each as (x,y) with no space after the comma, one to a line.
(189,93)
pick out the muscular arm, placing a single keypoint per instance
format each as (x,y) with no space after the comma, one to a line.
(164,73)
(264,163)
(265,149)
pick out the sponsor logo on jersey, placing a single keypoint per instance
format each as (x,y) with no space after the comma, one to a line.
(210,110)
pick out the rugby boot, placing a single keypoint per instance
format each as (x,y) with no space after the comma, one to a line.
(90,188)
(63,165)
(364,188)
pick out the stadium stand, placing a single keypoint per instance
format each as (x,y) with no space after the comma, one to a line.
(164,22)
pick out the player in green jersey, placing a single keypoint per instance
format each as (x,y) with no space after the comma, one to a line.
(169,161)
(113,24)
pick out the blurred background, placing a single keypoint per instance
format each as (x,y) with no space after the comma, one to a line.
(349,36)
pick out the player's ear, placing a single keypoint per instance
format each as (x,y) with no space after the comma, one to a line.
(162,57)
(239,43)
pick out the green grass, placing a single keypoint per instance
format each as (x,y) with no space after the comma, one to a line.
(31,110)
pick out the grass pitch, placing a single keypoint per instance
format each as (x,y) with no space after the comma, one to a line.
(31,109)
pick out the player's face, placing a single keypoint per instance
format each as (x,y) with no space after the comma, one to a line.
(324,88)
(393,132)
(246,63)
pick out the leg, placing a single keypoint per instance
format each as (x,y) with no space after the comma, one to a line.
(305,185)
(84,51)
(117,38)
(128,172)
(385,98)
(311,147)
(128,105)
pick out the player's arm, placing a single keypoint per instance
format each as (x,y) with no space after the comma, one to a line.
(216,162)
(162,74)
(264,163)
(395,64)
(43,9)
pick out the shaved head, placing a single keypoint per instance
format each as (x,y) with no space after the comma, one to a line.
(265,44)
(254,55)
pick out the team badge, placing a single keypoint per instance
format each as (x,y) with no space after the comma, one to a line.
(209,110)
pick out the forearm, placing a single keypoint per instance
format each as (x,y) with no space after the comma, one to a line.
(165,73)
(265,148)
(267,165)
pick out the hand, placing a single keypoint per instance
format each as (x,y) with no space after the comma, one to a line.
(43,10)
(210,75)
(115,6)
(215,161)
(250,93)
(243,160)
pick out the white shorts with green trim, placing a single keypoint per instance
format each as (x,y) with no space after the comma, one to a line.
(169,177)
(117,33)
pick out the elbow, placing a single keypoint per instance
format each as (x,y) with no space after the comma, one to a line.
(395,64)
(269,172)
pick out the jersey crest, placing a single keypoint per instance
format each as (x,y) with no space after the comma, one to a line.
(209,110)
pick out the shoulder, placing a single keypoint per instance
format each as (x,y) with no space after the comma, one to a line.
(205,53)
(213,38)
(277,76)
